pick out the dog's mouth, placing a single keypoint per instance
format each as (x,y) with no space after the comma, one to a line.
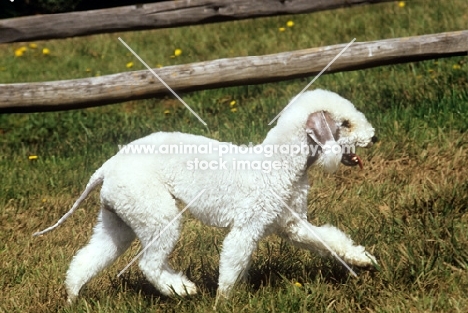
(351,159)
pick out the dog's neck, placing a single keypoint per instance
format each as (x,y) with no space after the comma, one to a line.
(296,164)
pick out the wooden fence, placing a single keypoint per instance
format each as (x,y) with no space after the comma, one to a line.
(88,92)
(157,15)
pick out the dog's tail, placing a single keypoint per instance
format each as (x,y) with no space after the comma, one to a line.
(96,179)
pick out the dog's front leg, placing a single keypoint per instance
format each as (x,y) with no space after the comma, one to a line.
(321,239)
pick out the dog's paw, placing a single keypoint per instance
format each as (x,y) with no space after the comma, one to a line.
(71,299)
(182,288)
(189,288)
(358,256)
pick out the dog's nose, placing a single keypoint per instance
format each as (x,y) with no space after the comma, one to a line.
(373,140)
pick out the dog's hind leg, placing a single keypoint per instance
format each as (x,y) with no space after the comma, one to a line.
(111,238)
(155,266)
(157,225)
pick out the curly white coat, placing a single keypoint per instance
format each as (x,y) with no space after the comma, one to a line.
(139,191)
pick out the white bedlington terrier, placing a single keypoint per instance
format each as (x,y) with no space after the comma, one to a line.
(254,191)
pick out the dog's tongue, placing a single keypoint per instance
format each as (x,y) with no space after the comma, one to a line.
(358,160)
(351,159)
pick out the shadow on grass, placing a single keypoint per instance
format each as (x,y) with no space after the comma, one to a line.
(266,271)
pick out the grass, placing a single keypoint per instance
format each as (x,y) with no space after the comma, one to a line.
(408,206)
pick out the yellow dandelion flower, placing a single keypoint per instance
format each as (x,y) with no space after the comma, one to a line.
(177,52)
(32,46)
(456,66)
(167,112)
(233,110)
(232,103)
(45,51)
(290,24)
(19,53)
(297,284)
(159,65)
(44,200)
(401,4)
(281,29)
(32,157)
(129,64)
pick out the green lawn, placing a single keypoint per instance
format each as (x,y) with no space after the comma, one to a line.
(408,205)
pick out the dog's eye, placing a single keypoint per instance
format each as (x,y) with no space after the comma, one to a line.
(346,124)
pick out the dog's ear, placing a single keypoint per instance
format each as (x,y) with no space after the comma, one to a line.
(321,128)
(323,131)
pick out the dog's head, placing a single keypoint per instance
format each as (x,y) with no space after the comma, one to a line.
(333,127)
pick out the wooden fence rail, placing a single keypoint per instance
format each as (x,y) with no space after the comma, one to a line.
(156,15)
(89,92)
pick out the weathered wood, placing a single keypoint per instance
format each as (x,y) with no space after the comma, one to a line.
(156,15)
(88,92)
